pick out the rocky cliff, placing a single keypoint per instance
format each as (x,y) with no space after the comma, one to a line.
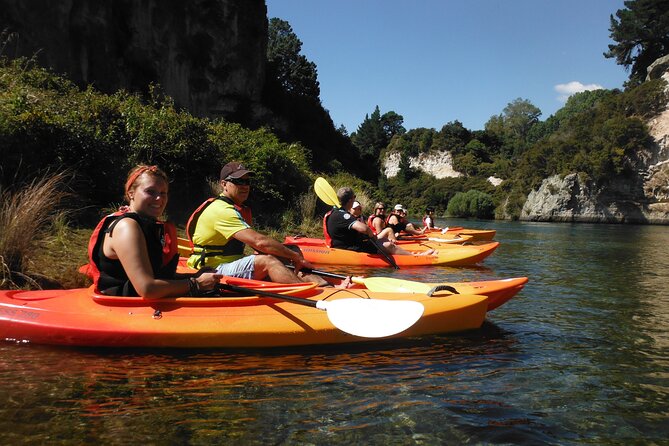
(208,55)
(644,199)
(438,164)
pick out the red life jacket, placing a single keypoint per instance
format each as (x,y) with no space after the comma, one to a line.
(233,247)
(370,223)
(169,256)
(326,234)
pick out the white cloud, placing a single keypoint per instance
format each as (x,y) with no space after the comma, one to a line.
(572,87)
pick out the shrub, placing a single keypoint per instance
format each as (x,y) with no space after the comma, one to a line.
(472,203)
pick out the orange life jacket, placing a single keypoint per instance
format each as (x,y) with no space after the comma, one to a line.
(233,247)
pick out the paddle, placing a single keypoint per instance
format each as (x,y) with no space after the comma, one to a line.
(386,284)
(328,195)
(368,318)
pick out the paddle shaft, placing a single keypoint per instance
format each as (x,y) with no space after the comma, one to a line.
(383,252)
(254,292)
(372,282)
(320,273)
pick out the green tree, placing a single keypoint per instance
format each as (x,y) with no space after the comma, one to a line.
(513,126)
(374,135)
(292,92)
(453,137)
(392,124)
(293,71)
(472,203)
(370,137)
(641,31)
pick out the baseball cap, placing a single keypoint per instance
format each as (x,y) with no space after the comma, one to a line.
(356,204)
(399,207)
(234,169)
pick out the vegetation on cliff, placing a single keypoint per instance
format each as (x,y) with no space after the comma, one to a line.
(46,123)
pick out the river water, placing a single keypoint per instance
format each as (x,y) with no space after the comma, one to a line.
(580,356)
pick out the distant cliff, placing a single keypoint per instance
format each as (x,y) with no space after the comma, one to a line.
(208,55)
(643,199)
(438,164)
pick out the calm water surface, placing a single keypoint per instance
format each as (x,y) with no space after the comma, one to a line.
(580,356)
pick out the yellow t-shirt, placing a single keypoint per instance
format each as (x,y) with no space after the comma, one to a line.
(216,226)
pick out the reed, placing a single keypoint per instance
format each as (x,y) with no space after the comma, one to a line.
(304,219)
(28,217)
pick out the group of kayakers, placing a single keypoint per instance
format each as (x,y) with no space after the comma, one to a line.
(133,253)
(343,230)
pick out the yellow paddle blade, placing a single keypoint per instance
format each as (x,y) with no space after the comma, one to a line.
(325,192)
(390,285)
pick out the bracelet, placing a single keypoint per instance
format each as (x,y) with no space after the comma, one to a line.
(193,287)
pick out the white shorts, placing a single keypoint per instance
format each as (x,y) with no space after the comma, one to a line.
(242,268)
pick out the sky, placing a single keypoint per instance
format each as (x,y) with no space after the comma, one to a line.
(438,61)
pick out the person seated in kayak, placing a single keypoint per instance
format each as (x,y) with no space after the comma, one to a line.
(356,211)
(221,227)
(343,231)
(377,223)
(428,219)
(398,221)
(133,253)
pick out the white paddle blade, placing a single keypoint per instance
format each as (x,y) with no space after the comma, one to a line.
(372,318)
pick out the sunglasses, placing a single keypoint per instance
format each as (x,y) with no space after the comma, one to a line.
(239,181)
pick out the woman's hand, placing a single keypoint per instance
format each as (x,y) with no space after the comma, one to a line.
(207,281)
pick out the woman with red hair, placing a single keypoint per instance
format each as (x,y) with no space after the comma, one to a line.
(133,253)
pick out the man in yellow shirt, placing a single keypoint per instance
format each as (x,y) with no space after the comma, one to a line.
(221,227)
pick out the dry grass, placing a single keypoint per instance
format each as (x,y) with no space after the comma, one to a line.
(30,222)
(303,219)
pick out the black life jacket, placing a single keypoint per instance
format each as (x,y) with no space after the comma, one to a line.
(109,276)
(398,227)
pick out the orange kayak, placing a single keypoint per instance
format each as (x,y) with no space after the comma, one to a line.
(447,238)
(317,252)
(476,234)
(81,317)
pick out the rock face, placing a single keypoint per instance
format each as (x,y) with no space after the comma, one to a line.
(208,55)
(438,164)
(644,199)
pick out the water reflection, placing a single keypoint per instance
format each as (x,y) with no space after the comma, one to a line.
(580,356)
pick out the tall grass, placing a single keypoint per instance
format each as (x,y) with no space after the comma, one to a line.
(28,217)
(302,219)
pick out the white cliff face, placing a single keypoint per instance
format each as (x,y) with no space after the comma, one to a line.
(438,164)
